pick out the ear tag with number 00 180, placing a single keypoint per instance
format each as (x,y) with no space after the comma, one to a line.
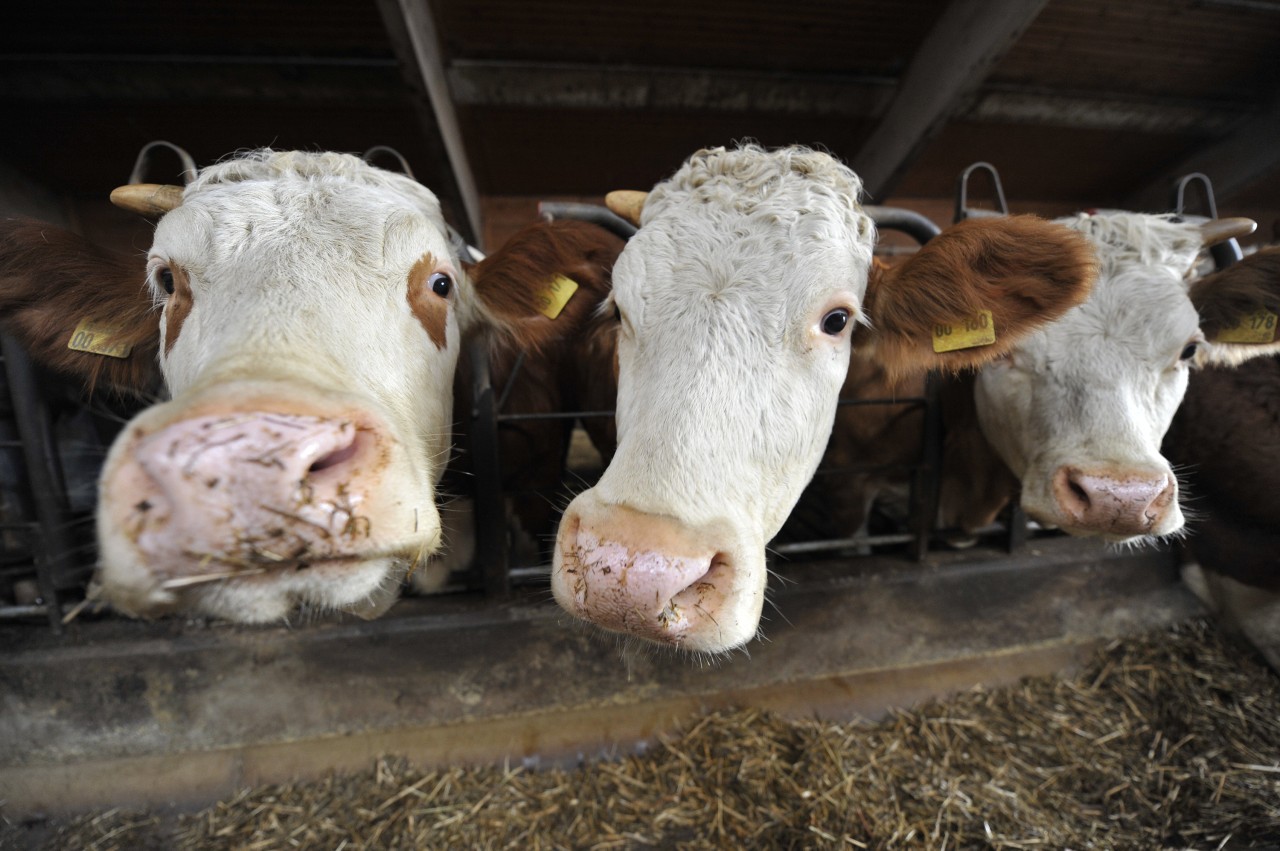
(968,333)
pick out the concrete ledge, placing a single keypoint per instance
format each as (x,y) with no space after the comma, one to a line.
(180,713)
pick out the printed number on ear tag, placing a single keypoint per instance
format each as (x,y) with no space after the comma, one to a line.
(978,330)
(557,294)
(1257,327)
(99,338)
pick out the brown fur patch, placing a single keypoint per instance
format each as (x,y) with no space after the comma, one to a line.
(431,310)
(1025,270)
(51,279)
(510,281)
(975,482)
(595,364)
(870,445)
(1225,442)
(177,307)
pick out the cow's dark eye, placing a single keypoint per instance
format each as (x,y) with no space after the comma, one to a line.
(1190,351)
(165,277)
(441,284)
(835,321)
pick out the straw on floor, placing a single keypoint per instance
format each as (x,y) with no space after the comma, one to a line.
(1171,740)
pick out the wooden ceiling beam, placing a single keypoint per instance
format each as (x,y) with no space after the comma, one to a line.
(951,63)
(580,86)
(62,78)
(1233,163)
(412,31)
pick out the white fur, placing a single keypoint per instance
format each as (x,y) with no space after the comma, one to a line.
(727,383)
(298,265)
(1099,386)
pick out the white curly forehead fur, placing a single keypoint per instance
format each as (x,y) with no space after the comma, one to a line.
(778,187)
(1123,238)
(326,167)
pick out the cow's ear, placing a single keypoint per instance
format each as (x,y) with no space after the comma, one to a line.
(972,292)
(544,283)
(80,310)
(1239,308)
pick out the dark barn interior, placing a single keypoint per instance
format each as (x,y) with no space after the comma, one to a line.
(497,106)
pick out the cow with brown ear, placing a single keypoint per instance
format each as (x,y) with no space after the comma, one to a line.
(738,305)
(1072,416)
(1225,441)
(306,311)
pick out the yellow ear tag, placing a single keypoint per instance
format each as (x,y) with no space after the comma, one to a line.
(557,294)
(969,333)
(1256,327)
(98,338)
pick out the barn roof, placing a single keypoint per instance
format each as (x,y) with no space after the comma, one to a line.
(1078,102)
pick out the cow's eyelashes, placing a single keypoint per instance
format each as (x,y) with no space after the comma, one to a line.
(441,284)
(835,321)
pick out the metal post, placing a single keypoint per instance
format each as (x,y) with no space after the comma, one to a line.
(492,548)
(52,549)
(926,481)
(1018,533)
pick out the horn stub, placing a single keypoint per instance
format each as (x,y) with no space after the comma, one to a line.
(149,199)
(627,203)
(1220,230)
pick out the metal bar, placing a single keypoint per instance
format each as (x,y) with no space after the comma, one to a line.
(839,543)
(593,213)
(926,483)
(1018,533)
(511,381)
(492,551)
(51,545)
(411,21)
(914,224)
(963,210)
(551,415)
(564,415)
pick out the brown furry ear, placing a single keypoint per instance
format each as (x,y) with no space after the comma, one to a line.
(52,280)
(1026,271)
(515,283)
(1239,308)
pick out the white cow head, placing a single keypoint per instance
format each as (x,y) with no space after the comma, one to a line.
(739,301)
(306,311)
(1077,410)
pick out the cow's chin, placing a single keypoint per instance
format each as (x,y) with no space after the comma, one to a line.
(365,586)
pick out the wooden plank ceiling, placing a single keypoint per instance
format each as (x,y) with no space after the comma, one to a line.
(1078,102)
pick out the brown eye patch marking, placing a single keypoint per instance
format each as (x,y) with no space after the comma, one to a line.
(431,310)
(177,307)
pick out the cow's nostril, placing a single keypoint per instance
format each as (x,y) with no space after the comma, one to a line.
(1078,492)
(334,458)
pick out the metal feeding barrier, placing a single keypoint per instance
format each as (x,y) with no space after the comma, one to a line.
(46,544)
(1223,253)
